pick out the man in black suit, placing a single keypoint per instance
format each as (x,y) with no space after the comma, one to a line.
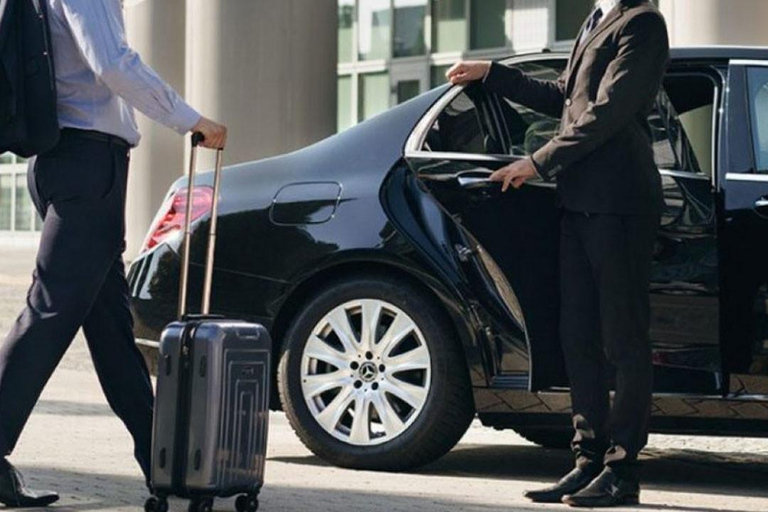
(611,195)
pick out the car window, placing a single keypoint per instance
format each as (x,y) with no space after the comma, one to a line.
(681,124)
(524,130)
(465,125)
(758,106)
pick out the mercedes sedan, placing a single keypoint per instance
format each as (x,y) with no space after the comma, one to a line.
(406,295)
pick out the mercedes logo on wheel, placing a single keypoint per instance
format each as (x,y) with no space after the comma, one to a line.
(368,372)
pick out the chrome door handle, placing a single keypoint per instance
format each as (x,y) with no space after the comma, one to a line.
(762,202)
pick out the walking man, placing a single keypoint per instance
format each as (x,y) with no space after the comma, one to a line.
(79,190)
(610,192)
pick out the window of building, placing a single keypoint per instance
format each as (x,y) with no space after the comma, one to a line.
(449,22)
(758,99)
(437,76)
(409,37)
(375,29)
(488,28)
(374,94)
(16,210)
(344,118)
(346,29)
(570,16)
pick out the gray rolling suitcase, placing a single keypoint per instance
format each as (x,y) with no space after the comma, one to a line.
(211,413)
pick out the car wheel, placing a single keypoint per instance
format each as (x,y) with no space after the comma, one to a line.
(547,438)
(373,377)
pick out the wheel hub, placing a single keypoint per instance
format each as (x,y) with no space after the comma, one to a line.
(368,372)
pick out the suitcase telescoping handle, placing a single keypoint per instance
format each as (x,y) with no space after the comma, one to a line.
(197,138)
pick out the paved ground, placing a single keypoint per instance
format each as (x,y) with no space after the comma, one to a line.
(75,445)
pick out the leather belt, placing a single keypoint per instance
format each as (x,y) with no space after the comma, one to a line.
(98,136)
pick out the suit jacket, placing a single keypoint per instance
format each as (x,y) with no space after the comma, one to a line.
(603,156)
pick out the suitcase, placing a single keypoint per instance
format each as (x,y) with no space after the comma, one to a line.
(211,413)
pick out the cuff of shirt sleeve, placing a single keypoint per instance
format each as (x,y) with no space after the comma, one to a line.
(184,118)
(541,163)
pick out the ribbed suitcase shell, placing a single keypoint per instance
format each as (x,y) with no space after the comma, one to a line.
(211,419)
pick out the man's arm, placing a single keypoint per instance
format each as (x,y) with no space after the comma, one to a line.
(638,67)
(545,96)
(98,28)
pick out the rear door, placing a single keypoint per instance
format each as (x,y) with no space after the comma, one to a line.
(510,241)
(744,229)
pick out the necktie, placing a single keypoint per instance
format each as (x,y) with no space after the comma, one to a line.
(593,22)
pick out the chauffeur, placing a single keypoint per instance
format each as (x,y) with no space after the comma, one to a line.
(78,188)
(611,196)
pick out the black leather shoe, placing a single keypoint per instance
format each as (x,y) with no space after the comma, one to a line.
(571,483)
(14,493)
(607,490)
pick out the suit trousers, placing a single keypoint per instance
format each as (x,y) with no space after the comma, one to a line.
(79,189)
(605,263)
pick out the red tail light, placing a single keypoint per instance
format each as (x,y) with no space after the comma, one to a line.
(169,222)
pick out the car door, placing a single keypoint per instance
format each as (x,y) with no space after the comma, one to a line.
(744,229)
(509,242)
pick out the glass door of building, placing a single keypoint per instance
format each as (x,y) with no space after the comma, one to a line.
(408,82)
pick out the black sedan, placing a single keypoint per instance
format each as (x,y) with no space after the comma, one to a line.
(406,294)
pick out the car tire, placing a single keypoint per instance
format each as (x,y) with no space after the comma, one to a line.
(547,438)
(448,407)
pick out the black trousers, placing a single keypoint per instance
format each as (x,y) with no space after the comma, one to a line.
(605,265)
(79,281)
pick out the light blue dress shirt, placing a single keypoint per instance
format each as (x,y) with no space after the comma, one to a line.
(100,79)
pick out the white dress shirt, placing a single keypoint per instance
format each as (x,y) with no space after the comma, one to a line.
(100,79)
(607,6)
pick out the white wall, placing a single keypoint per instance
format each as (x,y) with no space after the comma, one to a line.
(705,22)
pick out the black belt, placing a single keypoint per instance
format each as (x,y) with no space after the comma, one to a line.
(94,135)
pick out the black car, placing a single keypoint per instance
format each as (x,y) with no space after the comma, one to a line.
(406,294)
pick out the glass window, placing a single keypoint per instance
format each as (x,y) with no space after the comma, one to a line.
(346,24)
(6,199)
(375,23)
(525,130)
(449,22)
(374,94)
(409,28)
(758,99)
(23,219)
(437,77)
(463,126)
(6,158)
(487,28)
(344,117)
(407,89)
(570,16)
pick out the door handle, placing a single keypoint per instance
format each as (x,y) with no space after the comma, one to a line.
(762,202)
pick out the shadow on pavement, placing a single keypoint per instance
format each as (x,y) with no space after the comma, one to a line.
(690,471)
(85,492)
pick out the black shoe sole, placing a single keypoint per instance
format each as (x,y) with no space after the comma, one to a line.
(600,502)
(544,499)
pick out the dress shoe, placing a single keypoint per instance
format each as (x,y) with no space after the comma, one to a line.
(607,490)
(571,483)
(15,494)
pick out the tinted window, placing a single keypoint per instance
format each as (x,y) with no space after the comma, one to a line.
(464,126)
(681,124)
(758,106)
(525,130)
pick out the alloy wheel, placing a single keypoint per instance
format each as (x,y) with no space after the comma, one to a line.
(366,372)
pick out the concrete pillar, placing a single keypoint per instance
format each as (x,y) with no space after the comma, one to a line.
(705,22)
(157,31)
(267,68)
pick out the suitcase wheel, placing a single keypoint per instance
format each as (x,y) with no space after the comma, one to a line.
(201,505)
(247,503)
(154,504)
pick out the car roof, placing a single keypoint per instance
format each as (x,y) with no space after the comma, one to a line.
(712,53)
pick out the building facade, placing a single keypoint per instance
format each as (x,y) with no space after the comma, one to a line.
(285,73)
